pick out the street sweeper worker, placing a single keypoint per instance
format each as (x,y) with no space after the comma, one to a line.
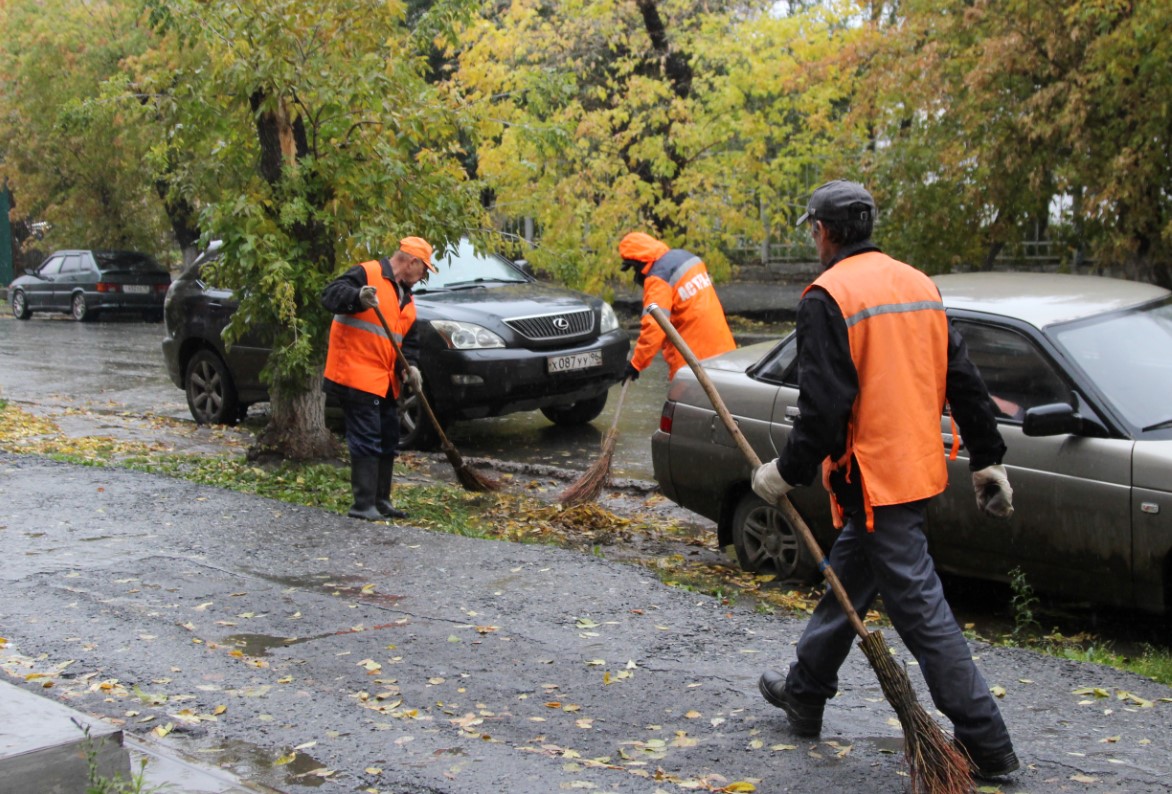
(878,360)
(678,282)
(360,366)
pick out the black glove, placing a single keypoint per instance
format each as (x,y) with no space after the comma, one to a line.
(630,373)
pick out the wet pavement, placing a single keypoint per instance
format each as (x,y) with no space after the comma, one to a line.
(306,650)
(118,366)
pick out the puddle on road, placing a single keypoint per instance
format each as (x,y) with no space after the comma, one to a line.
(261,644)
(258,765)
(258,645)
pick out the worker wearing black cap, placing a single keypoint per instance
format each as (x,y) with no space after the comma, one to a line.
(877,360)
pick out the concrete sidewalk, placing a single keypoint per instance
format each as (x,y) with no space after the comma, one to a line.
(47,747)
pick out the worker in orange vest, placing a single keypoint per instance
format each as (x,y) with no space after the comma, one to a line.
(878,359)
(360,366)
(679,282)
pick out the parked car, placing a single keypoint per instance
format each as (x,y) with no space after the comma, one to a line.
(85,284)
(493,341)
(1080,368)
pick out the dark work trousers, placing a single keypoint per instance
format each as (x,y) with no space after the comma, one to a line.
(893,562)
(372,425)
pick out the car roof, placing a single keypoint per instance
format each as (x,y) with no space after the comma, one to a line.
(1043,299)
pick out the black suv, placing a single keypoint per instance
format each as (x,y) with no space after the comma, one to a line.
(493,341)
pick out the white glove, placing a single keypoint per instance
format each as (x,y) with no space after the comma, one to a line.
(768,483)
(412,376)
(368,297)
(994,496)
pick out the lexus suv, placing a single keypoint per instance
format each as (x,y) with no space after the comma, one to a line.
(493,340)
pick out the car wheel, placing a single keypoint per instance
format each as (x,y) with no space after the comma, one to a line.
(211,394)
(78,309)
(578,413)
(20,309)
(415,428)
(767,543)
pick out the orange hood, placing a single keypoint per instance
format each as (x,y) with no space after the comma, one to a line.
(642,248)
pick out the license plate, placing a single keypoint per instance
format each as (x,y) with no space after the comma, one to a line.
(136,289)
(574,361)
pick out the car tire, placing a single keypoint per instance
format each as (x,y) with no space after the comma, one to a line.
(211,393)
(20,309)
(78,309)
(766,542)
(578,413)
(415,428)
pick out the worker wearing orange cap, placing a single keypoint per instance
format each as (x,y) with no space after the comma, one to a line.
(361,362)
(678,282)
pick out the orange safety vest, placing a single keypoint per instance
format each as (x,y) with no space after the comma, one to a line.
(679,283)
(360,355)
(898,336)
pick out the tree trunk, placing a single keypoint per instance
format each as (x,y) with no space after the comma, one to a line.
(297,428)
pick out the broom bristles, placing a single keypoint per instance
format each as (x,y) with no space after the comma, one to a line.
(587,487)
(935,764)
(468,477)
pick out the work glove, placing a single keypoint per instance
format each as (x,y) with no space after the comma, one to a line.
(994,496)
(768,482)
(368,297)
(630,373)
(412,376)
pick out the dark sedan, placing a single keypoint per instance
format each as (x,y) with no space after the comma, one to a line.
(1080,369)
(493,341)
(84,284)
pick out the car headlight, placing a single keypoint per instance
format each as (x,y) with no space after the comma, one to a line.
(466,336)
(610,322)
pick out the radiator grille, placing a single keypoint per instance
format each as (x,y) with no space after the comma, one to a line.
(546,327)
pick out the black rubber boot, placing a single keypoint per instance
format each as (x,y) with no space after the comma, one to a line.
(990,765)
(805,716)
(363,481)
(386,474)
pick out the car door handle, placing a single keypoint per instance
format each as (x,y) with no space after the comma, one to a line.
(948,441)
(792,413)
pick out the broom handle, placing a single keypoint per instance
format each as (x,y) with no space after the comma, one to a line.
(618,409)
(783,504)
(401,362)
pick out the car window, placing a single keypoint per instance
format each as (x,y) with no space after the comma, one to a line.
(209,273)
(1128,355)
(1015,371)
(72,265)
(126,262)
(466,267)
(52,267)
(780,364)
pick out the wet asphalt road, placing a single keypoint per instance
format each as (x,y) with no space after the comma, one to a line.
(309,651)
(120,362)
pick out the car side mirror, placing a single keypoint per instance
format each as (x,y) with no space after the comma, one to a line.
(1055,419)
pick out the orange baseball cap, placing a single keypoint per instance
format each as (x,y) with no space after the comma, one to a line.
(417,246)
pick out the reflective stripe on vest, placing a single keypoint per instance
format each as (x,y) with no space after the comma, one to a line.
(898,335)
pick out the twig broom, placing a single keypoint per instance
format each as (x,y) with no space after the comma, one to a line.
(935,764)
(587,487)
(468,477)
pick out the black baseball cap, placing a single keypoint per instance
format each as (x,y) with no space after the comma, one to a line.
(839,200)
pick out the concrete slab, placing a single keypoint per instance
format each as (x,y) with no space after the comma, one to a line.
(43,749)
(44,745)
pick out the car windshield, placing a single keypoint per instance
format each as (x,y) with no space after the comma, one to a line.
(467,268)
(1129,357)
(126,262)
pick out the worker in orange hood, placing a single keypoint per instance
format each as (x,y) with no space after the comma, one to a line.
(678,282)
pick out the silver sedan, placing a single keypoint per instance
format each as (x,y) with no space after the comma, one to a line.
(1080,368)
